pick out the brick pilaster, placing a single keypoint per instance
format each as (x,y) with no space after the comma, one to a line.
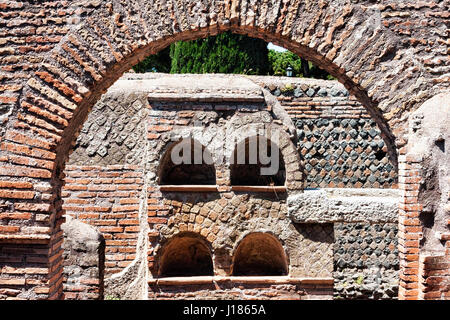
(410,229)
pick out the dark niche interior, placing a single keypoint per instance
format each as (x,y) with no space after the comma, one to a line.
(247,168)
(259,254)
(187,163)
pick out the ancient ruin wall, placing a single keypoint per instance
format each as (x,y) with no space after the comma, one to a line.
(107,196)
(60,56)
(84,261)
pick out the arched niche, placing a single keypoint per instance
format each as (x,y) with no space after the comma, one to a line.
(259,254)
(186,255)
(257,161)
(187,162)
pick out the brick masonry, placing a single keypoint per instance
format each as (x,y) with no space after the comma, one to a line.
(58,57)
(340,144)
(92,192)
(29,263)
(434,277)
(114,133)
(424,208)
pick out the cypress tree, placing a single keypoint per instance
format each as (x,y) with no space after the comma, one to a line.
(224,53)
(228,53)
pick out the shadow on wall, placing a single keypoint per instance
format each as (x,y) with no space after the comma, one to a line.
(187,162)
(186,255)
(84,261)
(260,254)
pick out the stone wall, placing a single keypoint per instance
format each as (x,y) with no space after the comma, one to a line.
(424,213)
(365,261)
(84,261)
(114,133)
(340,146)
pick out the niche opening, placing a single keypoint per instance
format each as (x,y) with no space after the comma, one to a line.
(260,254)
(186,256)
(257,161)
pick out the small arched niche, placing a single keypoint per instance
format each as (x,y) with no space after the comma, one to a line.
(257,161)
(186,255)
(260,254)
(187,162)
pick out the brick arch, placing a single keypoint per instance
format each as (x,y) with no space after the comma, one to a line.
(287,149)
(265,249)
(206,168)
(36,140)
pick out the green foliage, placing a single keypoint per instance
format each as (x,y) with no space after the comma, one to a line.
(225,53)
(160,62)
(228,53)
(279,62)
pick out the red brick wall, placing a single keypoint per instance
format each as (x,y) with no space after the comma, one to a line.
(238,289)
(434,277)
(57,57)
(410,229)
(108,199)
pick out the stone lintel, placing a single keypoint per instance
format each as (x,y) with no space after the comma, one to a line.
(344,205)
(194,88)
